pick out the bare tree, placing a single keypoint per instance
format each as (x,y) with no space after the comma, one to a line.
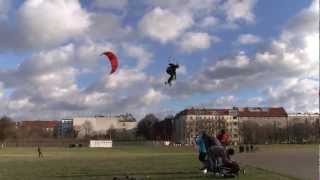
(111,132)
(76,130)
(87,128)
(146,127)
(7,128)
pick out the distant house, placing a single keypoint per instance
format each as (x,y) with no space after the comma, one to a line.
(189,122)
(303,118)
(65,128)
(101,124)
(46,126)
(263,115)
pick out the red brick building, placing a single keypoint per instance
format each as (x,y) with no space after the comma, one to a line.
(47,126)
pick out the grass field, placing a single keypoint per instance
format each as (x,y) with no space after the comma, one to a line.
(141,162)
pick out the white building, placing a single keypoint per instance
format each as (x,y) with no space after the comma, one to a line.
(303,117)
(101,124)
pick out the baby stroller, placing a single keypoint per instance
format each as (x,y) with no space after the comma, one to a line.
(220,164)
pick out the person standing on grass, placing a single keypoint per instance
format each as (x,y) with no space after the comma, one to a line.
(40,152)
(223,137)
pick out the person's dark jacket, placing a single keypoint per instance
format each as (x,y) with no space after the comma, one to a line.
(210,141)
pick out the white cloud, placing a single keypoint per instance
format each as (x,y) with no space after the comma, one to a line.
(209,21)
(164,25)
(192,41)
(182,69)
(44,23)
(1,90)
(142,55)
(248,39)
(196,8)
(223,102)
(240,10)
(152,96)
(110,4)
(297,95)
(46,86)
(292,56)
(124,78)
(4,9)
(107,26)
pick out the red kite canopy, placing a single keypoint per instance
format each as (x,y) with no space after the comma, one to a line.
(113,60)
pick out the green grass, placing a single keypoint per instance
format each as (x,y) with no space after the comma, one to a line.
(86,164)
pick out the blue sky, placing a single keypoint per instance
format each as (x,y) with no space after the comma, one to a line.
(232,53)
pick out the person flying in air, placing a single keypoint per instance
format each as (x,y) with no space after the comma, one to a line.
(171,70)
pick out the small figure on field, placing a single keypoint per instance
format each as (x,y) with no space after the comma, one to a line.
(40,152)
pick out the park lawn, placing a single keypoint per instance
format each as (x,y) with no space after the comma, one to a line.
(141,162)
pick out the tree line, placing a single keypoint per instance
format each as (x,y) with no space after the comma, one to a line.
(293,133)
(151,127)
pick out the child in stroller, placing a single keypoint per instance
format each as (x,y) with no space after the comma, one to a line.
(218,158)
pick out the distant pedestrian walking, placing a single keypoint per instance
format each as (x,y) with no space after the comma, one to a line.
(251,148)
(40,152)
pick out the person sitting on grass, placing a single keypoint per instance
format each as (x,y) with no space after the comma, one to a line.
(217,152)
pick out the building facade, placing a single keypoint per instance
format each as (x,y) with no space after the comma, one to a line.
(101,124)
(276,116)
(263,115)
(65,128)
(46,126)
(190,122)
(303,118)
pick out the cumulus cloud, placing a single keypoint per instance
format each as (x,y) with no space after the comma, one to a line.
(238,10)
(209,21)
(192,41)
(164,25)
(292,55)
(195,7)
(4,9)
(138,52)
(248,39)
(110,4)
(51,22)
(106,26)
(153,96)
(297,95)
(45,85)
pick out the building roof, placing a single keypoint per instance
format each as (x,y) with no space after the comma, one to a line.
(262,112)
(38,124)
(241,112)
(193,111)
